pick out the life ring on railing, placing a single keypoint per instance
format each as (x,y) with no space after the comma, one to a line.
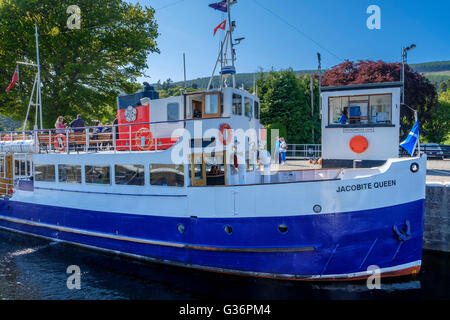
(224,127)
(146,133)
(60,142)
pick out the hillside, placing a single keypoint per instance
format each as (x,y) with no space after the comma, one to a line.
(436,72)
(7,124)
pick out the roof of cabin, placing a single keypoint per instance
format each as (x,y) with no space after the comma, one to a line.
(380,85)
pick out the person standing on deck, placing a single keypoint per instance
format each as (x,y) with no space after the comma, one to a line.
(277,151)
(283,149)
(77,123)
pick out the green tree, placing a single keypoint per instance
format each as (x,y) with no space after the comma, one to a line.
(82,70)
(438,128)
(286,103)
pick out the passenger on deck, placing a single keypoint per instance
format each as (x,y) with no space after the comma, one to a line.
(98,127)
(77,123)
(60,125)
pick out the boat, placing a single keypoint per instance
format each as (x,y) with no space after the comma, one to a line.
(187,181)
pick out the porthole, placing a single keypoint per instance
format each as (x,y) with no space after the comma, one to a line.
(283,228)
(228,229)
(414,167)
(180,228)
(317,208)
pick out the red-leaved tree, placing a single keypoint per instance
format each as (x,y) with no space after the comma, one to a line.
(420,93)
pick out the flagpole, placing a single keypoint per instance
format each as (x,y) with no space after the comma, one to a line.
(38,96)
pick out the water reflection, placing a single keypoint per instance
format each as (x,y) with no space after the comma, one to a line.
(33,268)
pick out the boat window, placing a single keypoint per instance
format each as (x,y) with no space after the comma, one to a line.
(360,110)
(19,167)
(237,104)
(129,174)
(167,175)
(211,104)
(44,172)
(98,174)
(256,110)
(215,169)
(248,107)
(69,173)
(173,111)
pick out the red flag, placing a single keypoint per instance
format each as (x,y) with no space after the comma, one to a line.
(221,26)
(15,78)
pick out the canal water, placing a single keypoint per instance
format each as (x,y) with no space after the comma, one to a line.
(32,268)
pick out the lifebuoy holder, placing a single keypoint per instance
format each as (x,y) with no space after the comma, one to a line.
(60,142)
(224,127)
(146,133)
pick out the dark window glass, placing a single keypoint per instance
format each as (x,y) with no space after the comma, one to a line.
(44,172)
(173,111)
(167,175)
(69,173)
(130,174)
(256,110)
(248,107)
(98,174)
(237,104)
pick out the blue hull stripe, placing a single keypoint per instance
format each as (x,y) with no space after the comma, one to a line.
(315,245)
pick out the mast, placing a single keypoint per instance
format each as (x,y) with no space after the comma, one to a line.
(38,97)
(226,57)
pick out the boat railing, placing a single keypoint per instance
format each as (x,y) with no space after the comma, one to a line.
(303,151)
(148,136)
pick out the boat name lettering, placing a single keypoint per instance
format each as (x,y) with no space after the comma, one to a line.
(367,186)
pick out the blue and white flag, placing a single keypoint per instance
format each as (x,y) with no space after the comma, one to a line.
(411,141)
(221,6)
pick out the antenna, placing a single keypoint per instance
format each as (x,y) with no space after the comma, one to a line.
(184,66)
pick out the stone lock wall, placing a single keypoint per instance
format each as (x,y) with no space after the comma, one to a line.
(437,218)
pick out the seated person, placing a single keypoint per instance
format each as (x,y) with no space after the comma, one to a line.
(197,112)
(343,118)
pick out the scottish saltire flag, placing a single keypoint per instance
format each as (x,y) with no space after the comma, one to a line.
(411,141)
(221,6)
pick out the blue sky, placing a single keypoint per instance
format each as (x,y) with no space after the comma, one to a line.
(275,34)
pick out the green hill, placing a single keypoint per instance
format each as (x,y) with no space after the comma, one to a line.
(436,72)
(7,124)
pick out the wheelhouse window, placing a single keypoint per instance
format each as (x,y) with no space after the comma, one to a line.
(173,111)
(211,104)
(256,113)
(129,174)
(44,172)
(167,175)
(69,173)
(248,107)
(98,174)
(360,110)
(237,104)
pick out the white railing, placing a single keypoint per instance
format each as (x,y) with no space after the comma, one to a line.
(303,151)
(150,136)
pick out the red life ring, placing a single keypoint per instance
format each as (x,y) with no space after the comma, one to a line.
(60,142)
(222,129)
(144,132)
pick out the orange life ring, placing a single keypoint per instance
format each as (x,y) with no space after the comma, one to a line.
(60,142)
(146,133)
(224,127)
(359,144)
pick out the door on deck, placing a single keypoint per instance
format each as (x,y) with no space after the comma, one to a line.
(6,175)
(209,169)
